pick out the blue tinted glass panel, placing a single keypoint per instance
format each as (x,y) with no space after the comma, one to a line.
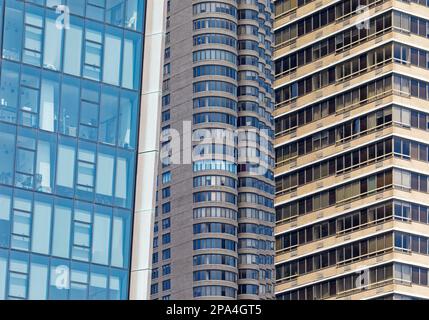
(5,217)
(39,275)
(13,30)
(61,233)
(9,92)
(69,110)
(101,235)
(109,115)
(112,56)
(49,101)
(121,232)
(41,229)
(7,153)
(118,285)
(53,43)
(127,118)
(131,60)
(98,284)
(3,273)
(73,47)
(79,281)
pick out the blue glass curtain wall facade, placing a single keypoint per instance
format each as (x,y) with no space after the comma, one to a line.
(70,85)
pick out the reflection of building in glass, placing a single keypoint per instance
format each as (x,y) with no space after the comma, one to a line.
(70,98)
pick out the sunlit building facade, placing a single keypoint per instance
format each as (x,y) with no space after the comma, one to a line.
(351,149)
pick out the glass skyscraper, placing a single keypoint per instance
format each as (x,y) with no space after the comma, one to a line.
(70,87)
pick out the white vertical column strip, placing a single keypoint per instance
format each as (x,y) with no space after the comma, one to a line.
(148,150)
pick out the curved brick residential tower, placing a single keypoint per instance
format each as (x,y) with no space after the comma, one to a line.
(214,231)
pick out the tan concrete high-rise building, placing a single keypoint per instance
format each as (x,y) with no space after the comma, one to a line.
(352,139)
